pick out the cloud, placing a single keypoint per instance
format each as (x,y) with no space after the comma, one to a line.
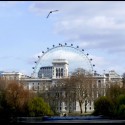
(97,30)
(9,3)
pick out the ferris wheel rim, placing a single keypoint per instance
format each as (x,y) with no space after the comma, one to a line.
(60,46)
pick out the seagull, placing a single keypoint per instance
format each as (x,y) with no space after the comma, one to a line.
(51,12)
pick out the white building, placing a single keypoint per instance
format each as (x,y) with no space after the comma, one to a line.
(60,68)
(36,84)
(12,75)
(112,76)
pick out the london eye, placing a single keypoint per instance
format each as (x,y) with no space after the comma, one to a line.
(76,57)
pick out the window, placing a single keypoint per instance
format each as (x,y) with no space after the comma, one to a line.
(99,81)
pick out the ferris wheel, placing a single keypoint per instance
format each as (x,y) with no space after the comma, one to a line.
(74,55)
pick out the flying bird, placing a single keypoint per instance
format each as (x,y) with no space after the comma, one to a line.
(51,12)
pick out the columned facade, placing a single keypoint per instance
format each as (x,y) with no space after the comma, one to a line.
(60,68)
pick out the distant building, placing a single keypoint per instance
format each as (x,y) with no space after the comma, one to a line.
(113,76)
(45,72)
(12,75)
(36,84)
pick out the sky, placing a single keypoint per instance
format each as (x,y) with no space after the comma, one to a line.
(98,27)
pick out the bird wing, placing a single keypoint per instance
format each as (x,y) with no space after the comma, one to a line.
(48,15)
(55,10)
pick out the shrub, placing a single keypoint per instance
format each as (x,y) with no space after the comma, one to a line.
(121,111)
(103,106)
(121,99)
(37,107)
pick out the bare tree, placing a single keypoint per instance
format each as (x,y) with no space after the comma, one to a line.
(69,96)
(77,88)
(82,82)
(60,94)
(53,96)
